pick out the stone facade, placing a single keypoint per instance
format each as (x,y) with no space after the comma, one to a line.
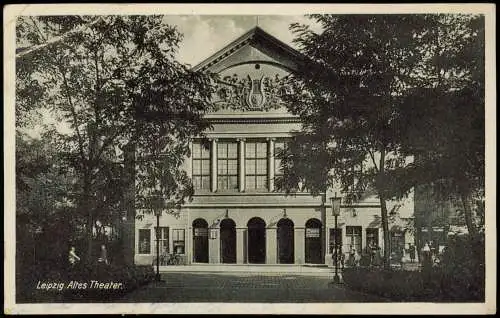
(237,215)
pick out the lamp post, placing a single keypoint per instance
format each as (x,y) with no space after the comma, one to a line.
(336,212)
(158,205)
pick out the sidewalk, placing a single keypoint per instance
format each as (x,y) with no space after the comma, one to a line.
(246,268)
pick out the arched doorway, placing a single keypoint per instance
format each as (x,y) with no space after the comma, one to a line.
(228,241)
(285,242)
(200,241)
(256,243)
(313,237)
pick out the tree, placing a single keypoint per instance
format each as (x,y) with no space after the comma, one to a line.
(115,84)
(445,113)
(349,98)
(43,201)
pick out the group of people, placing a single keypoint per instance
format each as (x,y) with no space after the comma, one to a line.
(74,259)
(430,254)
(372,256)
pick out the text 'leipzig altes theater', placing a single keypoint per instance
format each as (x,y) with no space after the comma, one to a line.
(237,215)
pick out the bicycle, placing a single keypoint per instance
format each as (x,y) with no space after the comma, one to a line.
(173,259)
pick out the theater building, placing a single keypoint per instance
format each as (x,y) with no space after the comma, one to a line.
(237,216)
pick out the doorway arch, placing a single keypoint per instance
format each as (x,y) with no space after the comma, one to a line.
(256,243)
(228,241)
(200,241)
(285,238)
(313,237)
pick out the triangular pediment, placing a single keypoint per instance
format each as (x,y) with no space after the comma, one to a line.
(252,72)
(255,46)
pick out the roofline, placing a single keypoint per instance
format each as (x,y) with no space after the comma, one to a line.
(242,40)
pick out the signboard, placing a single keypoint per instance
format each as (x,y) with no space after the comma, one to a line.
(312,232)
(201,231)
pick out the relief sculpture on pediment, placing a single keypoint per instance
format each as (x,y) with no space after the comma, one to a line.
(247,93)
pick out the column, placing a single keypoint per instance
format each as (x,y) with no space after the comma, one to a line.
(188,239)
(270,163)
(299,245)
(214,245)
(241,163)
(213,164)
(271,245)
(240,245)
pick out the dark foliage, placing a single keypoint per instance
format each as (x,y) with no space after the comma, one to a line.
(459,278)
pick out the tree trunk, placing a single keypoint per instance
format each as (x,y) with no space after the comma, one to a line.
(86,206)
(385,230)
(383,210)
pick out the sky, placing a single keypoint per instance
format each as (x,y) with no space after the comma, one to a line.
(206,34)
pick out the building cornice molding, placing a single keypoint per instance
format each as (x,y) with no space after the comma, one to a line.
(254,120)
(268,205)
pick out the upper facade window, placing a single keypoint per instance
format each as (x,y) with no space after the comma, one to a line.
(227,165)
(201,166)
(256,166)
(279,147)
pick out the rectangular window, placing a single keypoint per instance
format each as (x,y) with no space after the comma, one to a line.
(279,147)
(256,166)
(353,236)
(227,166)
(201,166)
(178,241)
(335,235)
(144,241)
(163,240)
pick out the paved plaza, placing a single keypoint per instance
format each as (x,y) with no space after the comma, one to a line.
(240,284)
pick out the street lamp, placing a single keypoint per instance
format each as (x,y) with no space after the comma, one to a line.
(336,212)
(158,205)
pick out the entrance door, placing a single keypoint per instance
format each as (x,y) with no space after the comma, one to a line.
(314,253)
(256,242)
(228,241)
(285,242)
(200,241)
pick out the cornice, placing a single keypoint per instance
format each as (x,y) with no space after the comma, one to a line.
(254,120)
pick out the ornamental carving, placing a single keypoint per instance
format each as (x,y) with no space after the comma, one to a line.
(259,93)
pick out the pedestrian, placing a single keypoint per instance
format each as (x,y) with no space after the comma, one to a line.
(426,263)
(357,258)
(372,250)
(411,250)
(103,258)
(401,256)
(377,258)
(72,257)
(432,247)
(334,257)
(351,260)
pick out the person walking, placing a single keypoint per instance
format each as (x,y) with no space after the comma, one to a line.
(411,250)
(426,263)
(103,258)
(72,257)
(372,250)
(351,260)
(357,258)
